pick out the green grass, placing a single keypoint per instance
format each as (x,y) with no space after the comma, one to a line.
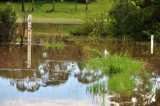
(43,32)
(51,32)
(120,70)
(114,64)
(97,87)
(54,45)
(121,83)
(47,29)
(65,10)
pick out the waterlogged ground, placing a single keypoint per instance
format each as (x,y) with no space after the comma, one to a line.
(57,77)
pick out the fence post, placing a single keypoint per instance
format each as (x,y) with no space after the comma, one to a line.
(29,41)
(152,43)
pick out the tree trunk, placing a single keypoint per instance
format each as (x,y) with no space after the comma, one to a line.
(53,9)
(75,5)
(23,9)
(32,5)
(86,5)
(23,29)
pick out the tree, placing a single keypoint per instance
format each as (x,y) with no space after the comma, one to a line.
(32,5)
(75,5)
(86,5)
(136,20)
(53,7)
(7,23)
(23,8)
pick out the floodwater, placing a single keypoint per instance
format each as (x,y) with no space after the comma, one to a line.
(57,77)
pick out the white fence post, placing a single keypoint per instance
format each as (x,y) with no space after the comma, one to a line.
(29,41)
(152,43)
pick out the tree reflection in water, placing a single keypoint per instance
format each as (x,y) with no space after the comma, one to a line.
(50,73)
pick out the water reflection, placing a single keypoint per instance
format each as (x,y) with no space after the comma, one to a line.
(50,73)
(58,74)
(140,97)
(56,79)
(29,47)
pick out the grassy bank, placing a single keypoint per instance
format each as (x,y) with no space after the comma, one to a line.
(64,11)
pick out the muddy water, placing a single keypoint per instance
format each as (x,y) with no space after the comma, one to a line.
(55,76)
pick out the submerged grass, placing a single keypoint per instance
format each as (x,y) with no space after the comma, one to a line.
(121,83)
(97,87)
(52,29)
(120,70)
(113,64)
(55,45)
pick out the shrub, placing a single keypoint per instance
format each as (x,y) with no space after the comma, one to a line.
(7,23)
(157,31)
(94,25)
(127,20)
(135,21)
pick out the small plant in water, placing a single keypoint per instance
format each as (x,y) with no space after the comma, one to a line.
(98,87)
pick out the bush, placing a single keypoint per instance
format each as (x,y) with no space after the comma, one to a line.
(135,22)
(157,32)
(127,20)
(7,23)
(94,25)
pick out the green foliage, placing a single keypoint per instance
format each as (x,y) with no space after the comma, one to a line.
(126,20)
(157,32)
(120,70)
(97,87)
(115,64)
(121,83)
(94,25)
(135,21)
(7,23)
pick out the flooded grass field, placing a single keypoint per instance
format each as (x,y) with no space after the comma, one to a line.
(79,53)
(59,77)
